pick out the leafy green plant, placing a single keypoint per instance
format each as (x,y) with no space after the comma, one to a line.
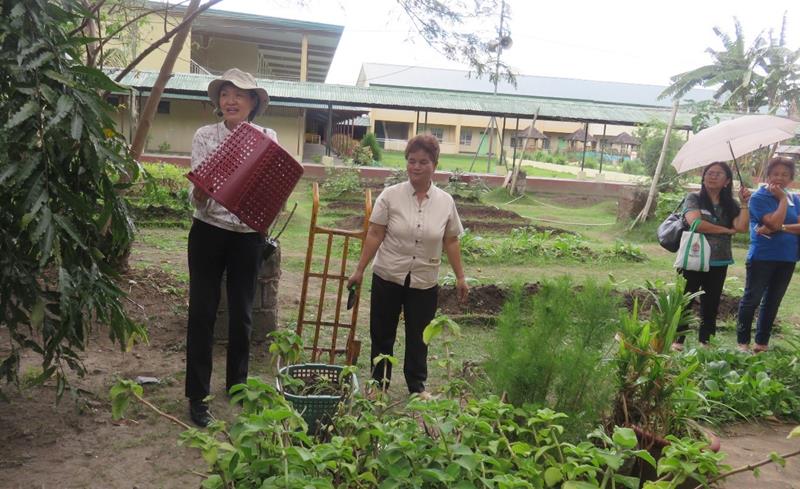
(656,393)
(625,251)
(747,387)
(340,181)
(549,345)
(370,141)
(63,221)
(472,191)
(362,155)
(436,444)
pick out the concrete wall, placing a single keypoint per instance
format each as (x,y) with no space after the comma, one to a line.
(132,42)
(221,54)
(178,127)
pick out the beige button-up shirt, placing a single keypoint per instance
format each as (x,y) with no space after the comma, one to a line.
(414,233)
(205,141)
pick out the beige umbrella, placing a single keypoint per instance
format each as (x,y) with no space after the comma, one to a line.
(731,139)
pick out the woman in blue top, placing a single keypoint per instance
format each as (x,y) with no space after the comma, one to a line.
(773,252)
(720,218)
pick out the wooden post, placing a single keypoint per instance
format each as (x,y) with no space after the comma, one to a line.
(602,147)
(585,137)
(515,168)
(654,184)
(329,130)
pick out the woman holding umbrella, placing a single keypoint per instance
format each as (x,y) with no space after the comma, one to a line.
(720,218)
(772,255)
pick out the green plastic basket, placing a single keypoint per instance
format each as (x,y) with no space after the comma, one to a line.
(317,410)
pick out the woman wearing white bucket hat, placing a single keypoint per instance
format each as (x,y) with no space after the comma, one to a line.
(219,242)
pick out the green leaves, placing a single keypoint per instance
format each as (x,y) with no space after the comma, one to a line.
(57,177)
(30,108)
(121,394)
(438,326)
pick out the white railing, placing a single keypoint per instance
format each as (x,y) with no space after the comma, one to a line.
(197,69)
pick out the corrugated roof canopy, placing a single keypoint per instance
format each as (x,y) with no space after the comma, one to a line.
(380,74)
(422,100)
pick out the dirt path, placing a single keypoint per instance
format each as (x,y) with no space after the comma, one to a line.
(748,444)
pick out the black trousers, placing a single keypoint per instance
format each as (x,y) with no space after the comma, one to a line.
(212,251)
(419,307)
(711,282)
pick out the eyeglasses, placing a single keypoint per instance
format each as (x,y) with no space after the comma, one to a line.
(715,174)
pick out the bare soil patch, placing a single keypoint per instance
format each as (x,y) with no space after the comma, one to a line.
(76,444)
(488,300)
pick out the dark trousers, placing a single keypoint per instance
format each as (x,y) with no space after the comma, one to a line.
(711,283)
(212,251)
(766,283)
(419,307)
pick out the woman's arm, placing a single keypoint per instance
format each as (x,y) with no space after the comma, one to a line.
(453,250)
(774,220)
(742,222)
(706,227)
(375,235)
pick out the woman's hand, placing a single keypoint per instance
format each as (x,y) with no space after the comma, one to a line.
(199,195)
(355,279)
(763,231)
(776,191)
(462,290)
(744,195)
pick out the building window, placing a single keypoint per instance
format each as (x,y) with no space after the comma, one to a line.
(466,136)
(163,107)
(437,132)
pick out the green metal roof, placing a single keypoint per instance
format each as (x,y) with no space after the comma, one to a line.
(422,100)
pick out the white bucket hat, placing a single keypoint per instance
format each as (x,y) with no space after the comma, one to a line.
(241,80)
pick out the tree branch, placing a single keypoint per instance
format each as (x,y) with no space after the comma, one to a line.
(185,23)
(747,468)
(92,10)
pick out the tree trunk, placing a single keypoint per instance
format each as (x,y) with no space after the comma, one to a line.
(146,117)
(654,184)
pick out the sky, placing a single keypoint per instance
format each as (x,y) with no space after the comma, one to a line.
(640,41)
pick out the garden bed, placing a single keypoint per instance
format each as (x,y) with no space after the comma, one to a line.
(479,219)
(487,301)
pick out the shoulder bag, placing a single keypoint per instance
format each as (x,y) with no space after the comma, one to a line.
(694,253)
(669,232)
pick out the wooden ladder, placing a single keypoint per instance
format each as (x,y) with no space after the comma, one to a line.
(325,329)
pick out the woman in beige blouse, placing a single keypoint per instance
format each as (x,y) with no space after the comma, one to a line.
(410,224)
(219,242)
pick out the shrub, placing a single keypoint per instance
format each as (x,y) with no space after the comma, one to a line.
(370,141)
(362,155)
(633,167)
(551,344)
(62,218)
(341,180)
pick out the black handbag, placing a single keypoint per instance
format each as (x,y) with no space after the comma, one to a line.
(669,232)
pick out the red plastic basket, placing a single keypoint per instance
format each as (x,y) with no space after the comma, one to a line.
(250,175)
